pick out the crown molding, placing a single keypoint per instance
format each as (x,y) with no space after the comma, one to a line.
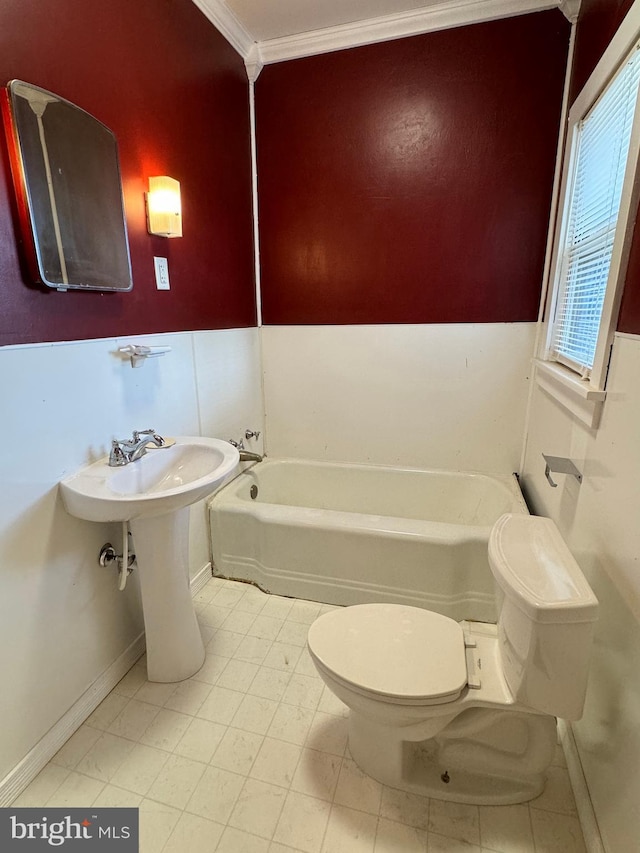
(253,63)
(570,9)
(441,16)
(226,22)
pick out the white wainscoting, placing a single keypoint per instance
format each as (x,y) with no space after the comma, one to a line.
(600,521)
(428,396)
(63,622)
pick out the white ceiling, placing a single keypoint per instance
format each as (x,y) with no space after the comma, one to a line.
(269,19)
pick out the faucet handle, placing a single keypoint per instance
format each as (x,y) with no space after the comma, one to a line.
(238,444)
(138,432)
(117,456)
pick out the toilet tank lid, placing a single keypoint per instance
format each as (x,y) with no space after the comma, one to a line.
(534,567)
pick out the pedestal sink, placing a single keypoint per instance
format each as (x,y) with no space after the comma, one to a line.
(153,494)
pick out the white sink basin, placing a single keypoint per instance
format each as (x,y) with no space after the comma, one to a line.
(163,480)
(152,496)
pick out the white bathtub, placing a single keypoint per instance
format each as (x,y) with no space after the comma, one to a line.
(349,534)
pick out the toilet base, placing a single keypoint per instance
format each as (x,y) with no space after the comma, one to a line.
(484,757)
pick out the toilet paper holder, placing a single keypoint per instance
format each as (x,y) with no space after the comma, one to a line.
(559,465)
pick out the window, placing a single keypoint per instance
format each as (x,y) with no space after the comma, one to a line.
(597,201)
(602,148)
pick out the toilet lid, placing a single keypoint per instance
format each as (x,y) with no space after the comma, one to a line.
(395,651)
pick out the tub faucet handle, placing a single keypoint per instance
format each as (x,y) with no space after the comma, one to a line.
(238,444)
(252,433)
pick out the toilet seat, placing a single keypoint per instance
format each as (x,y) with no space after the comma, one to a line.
(401,654)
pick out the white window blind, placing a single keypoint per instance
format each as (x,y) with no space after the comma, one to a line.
(601,152)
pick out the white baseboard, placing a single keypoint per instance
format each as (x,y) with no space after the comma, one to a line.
(25,772)
(586,813)
(201,579)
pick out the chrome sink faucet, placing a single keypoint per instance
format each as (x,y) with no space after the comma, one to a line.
(128,450)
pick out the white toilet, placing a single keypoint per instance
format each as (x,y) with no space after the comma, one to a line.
(466,711)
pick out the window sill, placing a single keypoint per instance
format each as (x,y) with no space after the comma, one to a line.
(575,394)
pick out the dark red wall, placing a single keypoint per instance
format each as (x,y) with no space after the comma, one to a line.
(629,319)
(598,21)
(175,94)
(597,24)
(410,181)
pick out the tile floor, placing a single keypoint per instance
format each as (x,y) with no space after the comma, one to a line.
(250,756)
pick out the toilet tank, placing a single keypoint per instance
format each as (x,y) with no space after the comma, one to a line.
(546,617)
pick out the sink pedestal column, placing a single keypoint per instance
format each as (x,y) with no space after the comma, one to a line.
(175,650)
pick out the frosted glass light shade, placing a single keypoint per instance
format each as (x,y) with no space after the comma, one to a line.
(164,208)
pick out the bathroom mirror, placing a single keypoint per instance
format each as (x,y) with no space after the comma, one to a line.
(67,179)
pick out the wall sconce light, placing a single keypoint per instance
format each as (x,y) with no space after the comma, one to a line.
(164,209)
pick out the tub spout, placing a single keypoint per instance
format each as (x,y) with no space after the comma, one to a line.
(248,456)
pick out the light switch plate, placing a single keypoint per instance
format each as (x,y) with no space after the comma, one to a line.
(162,273)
